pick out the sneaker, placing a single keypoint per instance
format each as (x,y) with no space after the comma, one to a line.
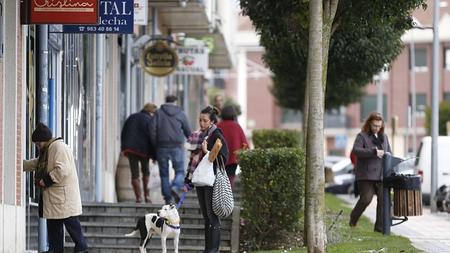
(175,195)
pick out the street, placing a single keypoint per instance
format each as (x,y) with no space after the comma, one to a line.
(429,232)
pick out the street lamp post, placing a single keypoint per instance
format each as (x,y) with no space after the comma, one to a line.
(413,92)
(435,105)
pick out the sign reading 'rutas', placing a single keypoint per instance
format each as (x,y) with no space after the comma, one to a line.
(159,59)
(63,11)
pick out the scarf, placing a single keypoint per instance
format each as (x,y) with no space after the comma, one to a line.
(195,140)
(41,170)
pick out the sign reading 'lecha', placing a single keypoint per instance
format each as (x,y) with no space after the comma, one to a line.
(116,16)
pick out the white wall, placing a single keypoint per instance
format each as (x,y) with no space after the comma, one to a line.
(12,225)
(12,215)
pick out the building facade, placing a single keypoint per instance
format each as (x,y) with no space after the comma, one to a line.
(84,86)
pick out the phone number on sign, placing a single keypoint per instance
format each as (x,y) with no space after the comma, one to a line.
(99,29)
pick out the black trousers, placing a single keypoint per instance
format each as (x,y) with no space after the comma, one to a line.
(212,222)
(134,165)
(55,231)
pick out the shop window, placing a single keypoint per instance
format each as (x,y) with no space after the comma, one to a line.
(369,104)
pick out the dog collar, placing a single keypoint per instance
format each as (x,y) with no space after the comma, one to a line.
(172,226)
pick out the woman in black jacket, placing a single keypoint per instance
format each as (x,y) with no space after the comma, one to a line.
(209,134)
(370,146)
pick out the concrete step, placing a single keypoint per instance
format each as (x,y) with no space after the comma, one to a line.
(106,248)
(105,225)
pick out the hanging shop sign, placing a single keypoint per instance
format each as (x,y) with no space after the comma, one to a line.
(59,12)
(159,59)
(192,60)
(116,16)
(140,12)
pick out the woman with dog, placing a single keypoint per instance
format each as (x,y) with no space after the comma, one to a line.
(370,146)
(205,140)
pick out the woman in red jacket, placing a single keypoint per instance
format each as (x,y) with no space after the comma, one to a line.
(235,137)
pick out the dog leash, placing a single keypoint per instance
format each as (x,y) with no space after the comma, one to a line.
(183,196)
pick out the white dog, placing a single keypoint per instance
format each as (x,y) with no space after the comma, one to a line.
(166,223)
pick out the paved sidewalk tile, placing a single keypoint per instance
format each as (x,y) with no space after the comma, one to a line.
(429,232)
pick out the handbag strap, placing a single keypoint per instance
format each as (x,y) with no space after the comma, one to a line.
(222,168)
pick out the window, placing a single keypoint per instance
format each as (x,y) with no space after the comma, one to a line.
(446,96)
(290,116)
(369,104)
(447,58)
(420,61)
(421,103)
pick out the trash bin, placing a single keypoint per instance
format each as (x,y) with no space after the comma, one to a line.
(407,194)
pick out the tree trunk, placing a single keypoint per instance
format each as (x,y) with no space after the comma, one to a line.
(305,112)
(314,195)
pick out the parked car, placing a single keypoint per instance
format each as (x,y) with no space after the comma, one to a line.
(339,174)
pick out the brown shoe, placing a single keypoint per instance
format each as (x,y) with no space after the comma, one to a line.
(136,183)
(145,180)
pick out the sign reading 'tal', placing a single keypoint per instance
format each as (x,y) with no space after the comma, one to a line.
(116,16)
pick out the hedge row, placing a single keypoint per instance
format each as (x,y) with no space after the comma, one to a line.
(273,194)
(272,138)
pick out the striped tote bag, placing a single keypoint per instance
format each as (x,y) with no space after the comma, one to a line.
(222,198)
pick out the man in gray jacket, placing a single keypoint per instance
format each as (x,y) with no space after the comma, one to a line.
(170,129)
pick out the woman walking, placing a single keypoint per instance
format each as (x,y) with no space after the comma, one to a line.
(370,146)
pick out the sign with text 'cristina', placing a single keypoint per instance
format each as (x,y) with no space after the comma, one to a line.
(60,11)
(192,60)
(116,16)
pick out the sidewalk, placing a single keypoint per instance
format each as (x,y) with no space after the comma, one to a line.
(429,232)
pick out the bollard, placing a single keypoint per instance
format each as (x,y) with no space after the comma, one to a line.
(387,221)
(389,163)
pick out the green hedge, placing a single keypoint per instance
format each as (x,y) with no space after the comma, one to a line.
(444,117)
(272,194)
(275,138)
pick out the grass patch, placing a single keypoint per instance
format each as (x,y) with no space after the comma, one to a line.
(344,239)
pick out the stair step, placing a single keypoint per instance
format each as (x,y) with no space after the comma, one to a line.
(105,226)
(128,249)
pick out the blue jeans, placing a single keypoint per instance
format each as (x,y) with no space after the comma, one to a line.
(176,156)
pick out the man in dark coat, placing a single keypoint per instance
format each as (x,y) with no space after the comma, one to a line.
(170,129)
(137,146)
